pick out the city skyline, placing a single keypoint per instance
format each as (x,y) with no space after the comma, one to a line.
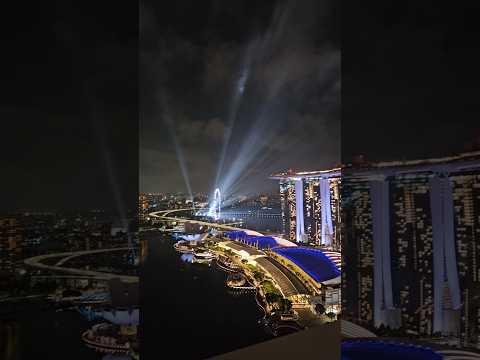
(408,233)
(240,179)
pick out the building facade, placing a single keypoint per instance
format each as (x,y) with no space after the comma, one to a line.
(409,233)
(11,241)
(310,203)
(411,240)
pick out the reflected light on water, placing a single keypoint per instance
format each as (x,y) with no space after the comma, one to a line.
(116,357)
(188,258)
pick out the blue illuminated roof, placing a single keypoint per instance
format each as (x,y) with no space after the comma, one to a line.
(235,235)
(262,242)
(313,261)
(379,350)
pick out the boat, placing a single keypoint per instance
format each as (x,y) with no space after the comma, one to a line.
(289,316)
(203,256)
(226,264)
(107,338)
(183,247)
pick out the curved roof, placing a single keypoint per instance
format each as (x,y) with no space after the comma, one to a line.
(284,242)
(262,242)
(372,349)
(335,256)
(313,261)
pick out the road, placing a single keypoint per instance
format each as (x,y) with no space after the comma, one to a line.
(162,215)
(36,262)
(286,286)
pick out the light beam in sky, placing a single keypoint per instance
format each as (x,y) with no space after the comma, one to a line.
(237,98)
(178,148)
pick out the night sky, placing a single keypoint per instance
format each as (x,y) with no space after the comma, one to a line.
(408,87)
(410,79)
(92,112)
(69,109)
(196,57)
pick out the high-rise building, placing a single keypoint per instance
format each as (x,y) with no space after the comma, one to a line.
(11,237)
(357,251)
(310,203)
(287,203)
(466,201)
(409,233)
(411,240)
(143,206)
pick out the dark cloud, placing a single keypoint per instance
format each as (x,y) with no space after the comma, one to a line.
(68,72)
(274,75)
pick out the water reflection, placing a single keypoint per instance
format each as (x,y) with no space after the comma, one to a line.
(116,357)
(193,303)
(188,258)
(37,332)
(9,333)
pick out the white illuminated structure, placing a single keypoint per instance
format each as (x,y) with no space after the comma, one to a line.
(300,228)
(310,206)
(445,272)
(217,204)
(326,213)
(384,312)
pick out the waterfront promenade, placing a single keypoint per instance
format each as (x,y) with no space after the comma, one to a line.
(286,281)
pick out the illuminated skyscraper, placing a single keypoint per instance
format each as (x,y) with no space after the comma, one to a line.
(312,213)
(310,203)
(410,239)
(300,235)
(287,200)
(466,204)
(411,236)
(357,251)
(11,237)
(143,206)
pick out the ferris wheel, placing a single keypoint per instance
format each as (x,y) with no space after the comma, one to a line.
(217,201)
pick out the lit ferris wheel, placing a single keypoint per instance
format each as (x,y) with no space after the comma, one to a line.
(217,201)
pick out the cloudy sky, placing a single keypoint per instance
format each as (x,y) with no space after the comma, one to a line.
(232,92)
(252,85)
(69,107)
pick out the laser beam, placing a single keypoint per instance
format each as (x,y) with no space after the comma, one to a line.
(176,144)
(236,101)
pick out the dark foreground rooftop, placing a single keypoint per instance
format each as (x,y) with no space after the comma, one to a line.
(322,342)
